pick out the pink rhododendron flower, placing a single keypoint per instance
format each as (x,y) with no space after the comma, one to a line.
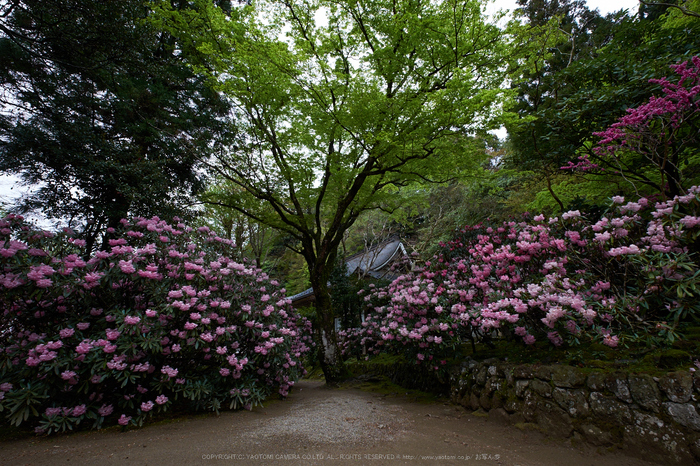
(169,371)
(631,249)
(106,410)
(44,283)
(84,347)
(126,266)
(611,340)
(690,222)
(76,288)
(571,214)
(132,320)
(79,410)
(631,207)
(52,412)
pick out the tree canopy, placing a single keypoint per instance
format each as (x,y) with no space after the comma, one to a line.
(338,103)
(99,112)
(597,69)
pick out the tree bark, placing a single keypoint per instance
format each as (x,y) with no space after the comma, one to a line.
(330,357)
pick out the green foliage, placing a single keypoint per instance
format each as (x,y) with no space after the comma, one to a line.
(362,128)
(293,270)
(685,14)
(429,214)
(575,194)
(583,85)
(254,240)
(100,113)
(345,301)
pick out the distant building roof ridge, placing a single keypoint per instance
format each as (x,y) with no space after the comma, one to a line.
(370,262)
(375,258)
(389,240)
(303,294)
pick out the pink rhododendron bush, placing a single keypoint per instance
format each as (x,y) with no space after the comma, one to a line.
(630,276)
(162,319)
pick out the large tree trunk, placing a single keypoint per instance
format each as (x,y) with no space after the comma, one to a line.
(330,357)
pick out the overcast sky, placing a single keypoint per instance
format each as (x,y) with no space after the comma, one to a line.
(9,191)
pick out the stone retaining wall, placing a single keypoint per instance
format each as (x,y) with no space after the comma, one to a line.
(654,418)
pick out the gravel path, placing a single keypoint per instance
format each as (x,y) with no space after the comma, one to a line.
(349,419)
(316,426)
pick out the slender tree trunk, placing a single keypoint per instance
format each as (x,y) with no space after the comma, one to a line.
(553,194)
(330,357)
(673,175)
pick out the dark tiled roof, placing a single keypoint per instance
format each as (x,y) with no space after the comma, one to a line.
(374,262)
(301,295)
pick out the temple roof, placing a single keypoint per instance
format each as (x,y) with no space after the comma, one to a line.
(375,262)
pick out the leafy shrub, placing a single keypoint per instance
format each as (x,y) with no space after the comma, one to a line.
(631,275)
(656,143)
(161,320)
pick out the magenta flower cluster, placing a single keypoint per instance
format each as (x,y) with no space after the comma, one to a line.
(163,317)
(661,130)
(556,280)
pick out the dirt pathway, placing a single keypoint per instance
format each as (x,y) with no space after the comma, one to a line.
(316,426)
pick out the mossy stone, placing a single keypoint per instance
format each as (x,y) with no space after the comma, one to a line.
(673,358)
(678,386)
(543,389)
(567,376)
(645,391)
(574,402)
